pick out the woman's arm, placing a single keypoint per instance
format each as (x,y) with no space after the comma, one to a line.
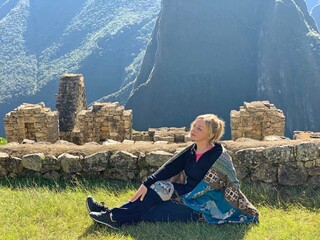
(169,169)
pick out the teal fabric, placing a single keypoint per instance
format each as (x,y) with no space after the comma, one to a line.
(218,197)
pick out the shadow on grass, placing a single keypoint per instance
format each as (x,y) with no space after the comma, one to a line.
(61,185)
(165,230)
(280,197)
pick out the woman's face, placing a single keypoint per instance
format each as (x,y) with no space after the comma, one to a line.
(199,131)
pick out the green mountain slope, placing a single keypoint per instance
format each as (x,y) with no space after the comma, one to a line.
(42,39)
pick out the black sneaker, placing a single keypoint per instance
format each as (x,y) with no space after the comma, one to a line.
(94,206)
(105,218)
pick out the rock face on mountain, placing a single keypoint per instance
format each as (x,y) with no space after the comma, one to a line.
(211,56)
(41,40)
(315,13)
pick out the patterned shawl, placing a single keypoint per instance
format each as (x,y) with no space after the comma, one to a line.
(218,196)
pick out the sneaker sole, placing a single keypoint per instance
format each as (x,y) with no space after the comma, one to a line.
(95,220)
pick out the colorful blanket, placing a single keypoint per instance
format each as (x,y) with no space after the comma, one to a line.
(218,196)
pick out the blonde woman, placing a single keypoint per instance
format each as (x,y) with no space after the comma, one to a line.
(208,192)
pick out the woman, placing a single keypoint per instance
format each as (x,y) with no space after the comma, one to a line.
(208,191)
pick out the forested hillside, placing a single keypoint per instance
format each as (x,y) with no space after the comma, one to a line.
(42,39)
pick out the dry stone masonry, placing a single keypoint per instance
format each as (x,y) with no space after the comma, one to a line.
(70,101)
(164,134)
(103,121)
(290,164)
(32,121)
(72,122)
(257,120)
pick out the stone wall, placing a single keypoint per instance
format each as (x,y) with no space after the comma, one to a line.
(71,100)
(305,135)
(103,121)
(291,164)
(164,134)
(257,120)
(32,121)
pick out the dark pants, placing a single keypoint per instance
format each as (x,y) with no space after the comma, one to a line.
(153,209)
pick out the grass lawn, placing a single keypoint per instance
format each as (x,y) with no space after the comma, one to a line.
(40,209)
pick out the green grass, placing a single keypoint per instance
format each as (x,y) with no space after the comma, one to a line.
(3,141)
(40,209)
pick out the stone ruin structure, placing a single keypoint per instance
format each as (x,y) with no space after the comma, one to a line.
(103,121)
(164,134)
(32,121)
(257,120)
(71,100)
(73,121)
(305,135)
(100,122)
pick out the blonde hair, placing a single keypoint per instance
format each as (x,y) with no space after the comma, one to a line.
(214,124)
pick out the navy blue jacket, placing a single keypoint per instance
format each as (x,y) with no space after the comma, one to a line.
(194,170)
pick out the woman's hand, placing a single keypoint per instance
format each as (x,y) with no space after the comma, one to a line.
(140,193)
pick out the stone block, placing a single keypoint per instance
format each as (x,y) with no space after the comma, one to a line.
(309,164)
(157,158)
(123,160)
(306,151)
(281,154)
(315,171)
(120,174)
(14,165)
(33,161)
(314,181)
(3,172)
(4,157)
(51,163)
(251,157)
(265,173)
(70,163)
(292,174)
(53,175)
(96,162)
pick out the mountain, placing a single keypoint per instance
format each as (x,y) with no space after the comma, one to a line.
(211,56)
(315,12)
(314,9)
(311,3)
(42,39)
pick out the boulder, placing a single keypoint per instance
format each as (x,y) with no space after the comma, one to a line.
(96,162)
(70,163)
(33,161)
